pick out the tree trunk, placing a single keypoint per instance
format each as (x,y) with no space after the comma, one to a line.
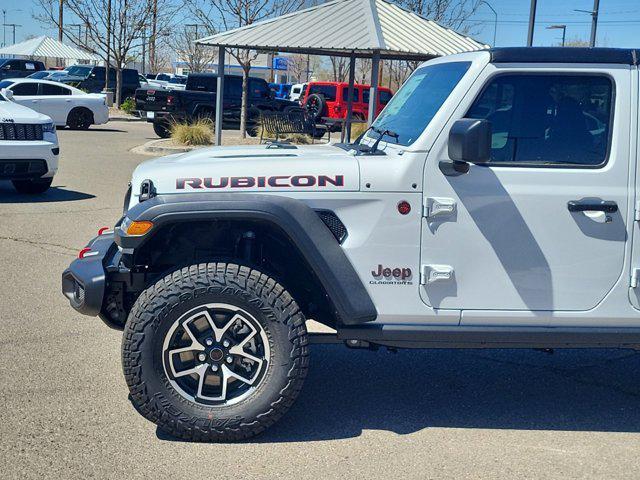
(245,98)
(118,86)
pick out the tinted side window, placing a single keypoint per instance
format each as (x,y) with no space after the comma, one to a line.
(12,65)
(345,94)
(25,89)
(202,83)
(547,119)
(130,76)
(328,91)
(46,89)
(258,89)
(233,86)
(385,97)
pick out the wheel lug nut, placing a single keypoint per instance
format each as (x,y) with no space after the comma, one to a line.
(226,344)
(214,368)
(202,357)
(229,359)
(209,342)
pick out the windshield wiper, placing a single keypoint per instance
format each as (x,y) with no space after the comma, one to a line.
(381,133)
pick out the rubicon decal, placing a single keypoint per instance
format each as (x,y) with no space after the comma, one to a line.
(391,276)
(275,181)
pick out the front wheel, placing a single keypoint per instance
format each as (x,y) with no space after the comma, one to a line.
(215,352)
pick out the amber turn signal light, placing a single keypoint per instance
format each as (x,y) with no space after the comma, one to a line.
(139,228)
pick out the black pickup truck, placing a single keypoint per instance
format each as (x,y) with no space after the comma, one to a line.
(198,100)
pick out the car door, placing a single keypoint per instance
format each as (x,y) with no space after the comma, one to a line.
(526,231)
(56,101)
(26,93)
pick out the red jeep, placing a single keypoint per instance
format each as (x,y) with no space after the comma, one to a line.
(329,100)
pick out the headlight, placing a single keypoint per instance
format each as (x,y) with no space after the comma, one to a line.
(48,128)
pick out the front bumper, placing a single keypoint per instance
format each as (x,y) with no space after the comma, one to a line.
(14,153)
(84,283)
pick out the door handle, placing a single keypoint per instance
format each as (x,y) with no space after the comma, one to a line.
(605,206)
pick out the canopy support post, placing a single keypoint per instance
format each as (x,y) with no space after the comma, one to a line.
(219,95)
(373,92)
(352,76)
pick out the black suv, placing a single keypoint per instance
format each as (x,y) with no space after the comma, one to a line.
(91,79)
(15,68)
(198,100)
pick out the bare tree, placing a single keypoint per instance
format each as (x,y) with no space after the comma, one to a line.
(297,67)
(454,14)
(129,22)
(239,13)
(363,70)
(197,57)
(340,66)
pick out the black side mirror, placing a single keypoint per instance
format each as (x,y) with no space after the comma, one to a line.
(469,142)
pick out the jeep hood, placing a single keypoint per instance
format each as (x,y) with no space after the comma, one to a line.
(256,168)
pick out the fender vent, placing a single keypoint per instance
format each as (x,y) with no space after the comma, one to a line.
(333,223)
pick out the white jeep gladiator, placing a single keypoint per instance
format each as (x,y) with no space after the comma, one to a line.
(28,147)
(492,204)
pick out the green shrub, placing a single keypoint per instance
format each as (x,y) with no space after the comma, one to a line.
(128,106)
(199,132)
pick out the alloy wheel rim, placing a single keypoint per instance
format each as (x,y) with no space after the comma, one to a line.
(216,354)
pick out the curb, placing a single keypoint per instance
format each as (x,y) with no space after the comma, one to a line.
(126,119)
(155,147)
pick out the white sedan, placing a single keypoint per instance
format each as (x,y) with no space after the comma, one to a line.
(66,105)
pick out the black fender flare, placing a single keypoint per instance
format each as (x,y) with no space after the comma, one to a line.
(298,221)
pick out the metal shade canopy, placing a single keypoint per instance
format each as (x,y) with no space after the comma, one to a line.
(375,29)
(47,47)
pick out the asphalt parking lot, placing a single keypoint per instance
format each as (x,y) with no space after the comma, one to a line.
(415,414)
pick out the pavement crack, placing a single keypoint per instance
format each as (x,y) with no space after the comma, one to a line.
(27,241)
(49,212)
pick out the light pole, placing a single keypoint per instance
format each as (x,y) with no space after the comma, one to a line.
(495,22)
(532,22)
(594,21)
(559,27)
(79,25)
(13,25)
(5,25)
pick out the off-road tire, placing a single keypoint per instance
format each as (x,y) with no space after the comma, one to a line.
(80,118)
(34,186)
(162,304)
(162,130)
(316,105)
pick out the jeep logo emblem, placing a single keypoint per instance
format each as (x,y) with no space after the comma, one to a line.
(391,275)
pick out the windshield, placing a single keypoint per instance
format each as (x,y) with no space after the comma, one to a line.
(6,84)
(77,71)
(411,109)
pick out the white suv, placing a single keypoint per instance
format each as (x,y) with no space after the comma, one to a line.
(28,147)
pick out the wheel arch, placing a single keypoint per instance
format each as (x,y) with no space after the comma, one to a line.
(306,248)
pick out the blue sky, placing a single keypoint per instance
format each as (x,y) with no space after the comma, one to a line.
(619,22)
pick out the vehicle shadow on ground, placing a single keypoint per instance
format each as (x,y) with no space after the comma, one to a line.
(106,130)
(54,194)
(349,391)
